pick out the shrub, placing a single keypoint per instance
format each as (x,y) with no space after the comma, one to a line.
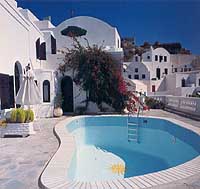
(80,110)
(3,123)
(29,115)
(154,104)
(13,116)
(21,115)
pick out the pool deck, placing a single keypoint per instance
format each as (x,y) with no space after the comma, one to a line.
(23,159)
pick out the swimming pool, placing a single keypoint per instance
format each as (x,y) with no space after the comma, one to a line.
(102,143)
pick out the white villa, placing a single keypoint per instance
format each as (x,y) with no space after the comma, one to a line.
(27,40)
(24,39)
(156,72)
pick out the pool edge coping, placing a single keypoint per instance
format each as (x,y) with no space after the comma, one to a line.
(54,174)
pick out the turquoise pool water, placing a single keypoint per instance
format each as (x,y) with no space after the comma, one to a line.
(102,142)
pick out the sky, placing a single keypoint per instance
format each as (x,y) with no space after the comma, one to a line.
(146,20)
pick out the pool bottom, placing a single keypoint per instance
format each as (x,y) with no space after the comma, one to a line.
(97,164)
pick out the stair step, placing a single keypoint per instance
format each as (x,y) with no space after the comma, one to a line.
(132,129)
(129,123)
(132,139)
(132,134)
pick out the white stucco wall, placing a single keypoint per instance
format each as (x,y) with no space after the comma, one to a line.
(98,33)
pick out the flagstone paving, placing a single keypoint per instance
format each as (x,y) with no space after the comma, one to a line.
(23,159)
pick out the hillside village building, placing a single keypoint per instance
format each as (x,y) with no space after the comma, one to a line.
(27,40)
(156,72)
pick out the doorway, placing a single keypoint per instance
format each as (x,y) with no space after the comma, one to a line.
(67,94)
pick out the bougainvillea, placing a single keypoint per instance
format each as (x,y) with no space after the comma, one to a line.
(96,72)
(134,103)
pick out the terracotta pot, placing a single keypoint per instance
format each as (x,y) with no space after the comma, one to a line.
(57,112)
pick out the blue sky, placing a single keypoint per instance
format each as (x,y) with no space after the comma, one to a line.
(146,20)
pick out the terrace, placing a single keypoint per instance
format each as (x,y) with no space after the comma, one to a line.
(23,159)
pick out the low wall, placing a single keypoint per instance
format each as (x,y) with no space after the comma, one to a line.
(187,105)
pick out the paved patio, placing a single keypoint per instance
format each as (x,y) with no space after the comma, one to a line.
(23,159)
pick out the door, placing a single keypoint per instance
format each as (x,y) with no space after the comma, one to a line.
(67,94)
(153,88)
(6,91)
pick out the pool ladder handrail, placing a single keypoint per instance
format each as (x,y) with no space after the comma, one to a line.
(133,128)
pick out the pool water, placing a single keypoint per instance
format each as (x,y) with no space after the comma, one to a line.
(102,142)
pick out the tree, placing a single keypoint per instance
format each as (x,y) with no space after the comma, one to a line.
(96,72)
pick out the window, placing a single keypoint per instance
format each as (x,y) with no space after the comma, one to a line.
(165,58)
(43,51)
(190,69)
(136,76)
(166,71)
(175,69)
(148,57)
(143,76)
(199,82)
(160,58)
(136,58)
(183,82)
(46,91)
(129,76)
(136,70)
(185,68)
(156,57)
(158,73)
(181,69)
(53,45)
(37,45)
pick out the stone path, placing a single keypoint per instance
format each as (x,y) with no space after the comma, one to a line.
(23,159)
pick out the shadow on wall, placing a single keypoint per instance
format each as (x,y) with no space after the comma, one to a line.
(162,86)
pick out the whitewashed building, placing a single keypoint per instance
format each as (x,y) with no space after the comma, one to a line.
(24,39)
(156,72)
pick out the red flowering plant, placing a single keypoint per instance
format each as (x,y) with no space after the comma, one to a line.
(96,72)
(134,103)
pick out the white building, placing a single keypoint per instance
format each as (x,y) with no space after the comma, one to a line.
(158,72)
(26,39)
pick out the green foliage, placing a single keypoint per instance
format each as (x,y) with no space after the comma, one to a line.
(29,115)
(154,104)
(58,100)
(21,115)
(97,73)
(13,116)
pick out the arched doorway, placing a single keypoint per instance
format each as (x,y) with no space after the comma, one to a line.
(18,74)
(67,93)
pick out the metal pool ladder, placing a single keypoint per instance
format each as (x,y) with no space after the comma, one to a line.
(133,128)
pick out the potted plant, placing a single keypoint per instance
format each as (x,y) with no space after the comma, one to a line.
(58,112)
(20,123)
